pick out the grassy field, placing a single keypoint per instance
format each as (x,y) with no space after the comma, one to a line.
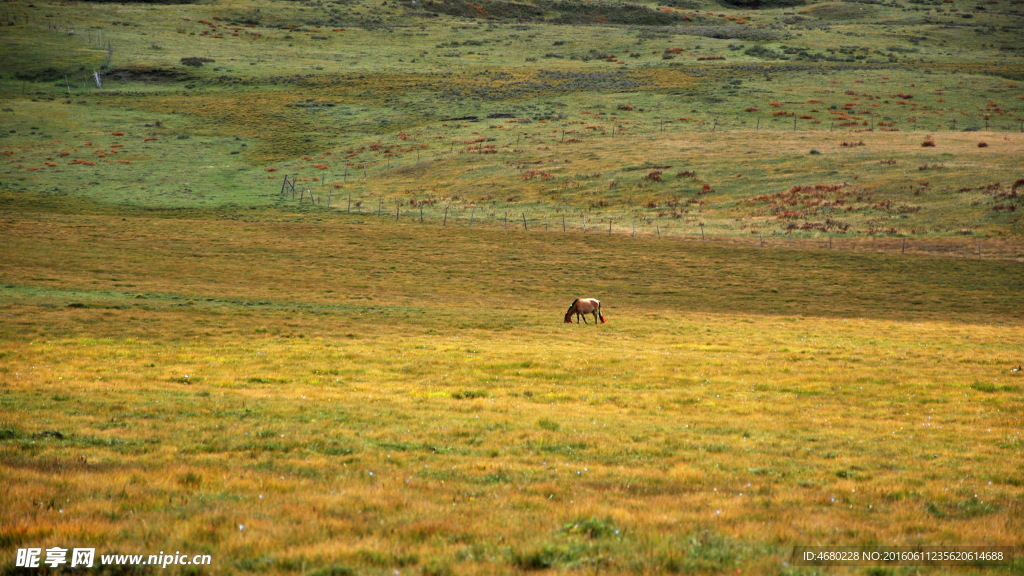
(375,397)
(656,116)
(369,374)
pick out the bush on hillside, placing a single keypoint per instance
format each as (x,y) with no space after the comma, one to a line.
(196,61)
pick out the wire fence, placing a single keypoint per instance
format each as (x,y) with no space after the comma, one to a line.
(573,222)
(564,220)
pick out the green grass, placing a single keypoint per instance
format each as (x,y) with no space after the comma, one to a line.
(809,95)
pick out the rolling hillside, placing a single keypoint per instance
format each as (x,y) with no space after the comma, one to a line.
(840,118)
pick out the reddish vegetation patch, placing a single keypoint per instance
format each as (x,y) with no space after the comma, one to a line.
(1003,199)
(820,207)
(531,174)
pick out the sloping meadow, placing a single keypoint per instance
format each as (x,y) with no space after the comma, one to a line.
(660,117)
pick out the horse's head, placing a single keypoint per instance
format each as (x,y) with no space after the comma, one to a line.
(568,317)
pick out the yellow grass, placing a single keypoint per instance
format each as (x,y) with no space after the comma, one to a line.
(377,397)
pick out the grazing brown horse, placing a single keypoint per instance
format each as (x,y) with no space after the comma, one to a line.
(582,306)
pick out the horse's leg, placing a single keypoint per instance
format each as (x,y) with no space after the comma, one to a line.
(584,316)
